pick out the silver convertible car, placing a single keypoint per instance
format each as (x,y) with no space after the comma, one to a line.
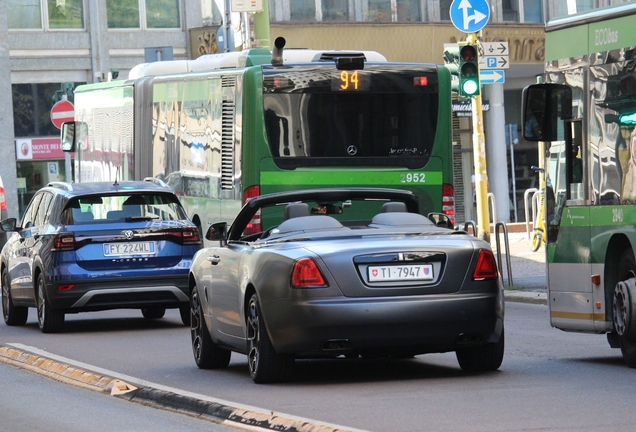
(343,273)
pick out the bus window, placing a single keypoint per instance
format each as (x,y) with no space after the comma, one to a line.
(384,115)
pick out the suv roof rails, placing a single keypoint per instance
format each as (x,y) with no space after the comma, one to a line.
(156,181)
(61,185)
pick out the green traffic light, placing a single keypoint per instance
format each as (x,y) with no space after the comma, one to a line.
(470,87)
(469,70)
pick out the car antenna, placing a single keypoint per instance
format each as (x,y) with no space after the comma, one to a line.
(116,176)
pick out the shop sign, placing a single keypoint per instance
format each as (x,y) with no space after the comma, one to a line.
(38,148)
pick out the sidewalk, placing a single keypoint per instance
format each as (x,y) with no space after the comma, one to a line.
(529,282)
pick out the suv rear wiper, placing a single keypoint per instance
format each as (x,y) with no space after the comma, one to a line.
(141,218)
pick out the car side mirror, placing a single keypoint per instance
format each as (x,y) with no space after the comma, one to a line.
(8,225)
(217,232)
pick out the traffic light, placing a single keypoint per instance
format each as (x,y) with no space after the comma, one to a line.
(451,62)
(468,69)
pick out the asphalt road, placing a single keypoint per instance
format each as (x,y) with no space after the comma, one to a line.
(549,380)
(32,402)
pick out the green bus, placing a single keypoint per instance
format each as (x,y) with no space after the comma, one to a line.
(584,118)
(223,128)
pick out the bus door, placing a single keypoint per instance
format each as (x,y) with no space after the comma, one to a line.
(570,289)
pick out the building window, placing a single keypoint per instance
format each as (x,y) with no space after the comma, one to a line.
(510,10)
(533,11)
(302,10)
(444,10)
(335,10)
(60,14)
(408,10)
(145,14)
(379,10)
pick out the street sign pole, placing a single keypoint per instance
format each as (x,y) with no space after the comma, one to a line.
(470,16)
(479,156)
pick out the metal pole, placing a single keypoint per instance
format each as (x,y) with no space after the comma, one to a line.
(479,152)
(261,27)
(512,171)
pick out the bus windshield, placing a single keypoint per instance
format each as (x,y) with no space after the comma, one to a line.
(382,115)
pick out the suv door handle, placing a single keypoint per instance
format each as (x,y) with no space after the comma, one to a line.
(214,259)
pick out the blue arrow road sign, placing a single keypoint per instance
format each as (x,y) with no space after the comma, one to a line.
(492,76)
(469,16)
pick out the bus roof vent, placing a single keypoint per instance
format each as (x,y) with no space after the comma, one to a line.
(332,56)
(215,61)
(300,55)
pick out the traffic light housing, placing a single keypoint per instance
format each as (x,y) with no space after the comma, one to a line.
(451,62)
(468,69)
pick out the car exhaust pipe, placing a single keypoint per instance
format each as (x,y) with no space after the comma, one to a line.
(336,345)
(469,339)
(277,51)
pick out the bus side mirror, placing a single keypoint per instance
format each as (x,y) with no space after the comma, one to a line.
(545,107)
(72,134)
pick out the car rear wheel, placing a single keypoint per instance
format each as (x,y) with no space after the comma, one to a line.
(13,315)
(153,313)
(49,320)
(207,354)
(483,358)
(266,366)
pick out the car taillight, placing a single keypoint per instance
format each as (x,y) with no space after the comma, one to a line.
(188,235)
(3,199)
(255,225)
(64,242)
(486,266)
(448,201)
(306,274)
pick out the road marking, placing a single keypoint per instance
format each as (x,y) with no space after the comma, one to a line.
(241,415)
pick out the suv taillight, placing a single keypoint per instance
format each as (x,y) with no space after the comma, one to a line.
(188,235)
(64,242)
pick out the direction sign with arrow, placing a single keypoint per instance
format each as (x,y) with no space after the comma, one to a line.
(494,62)
(495,48)
(492,76)
(469,16)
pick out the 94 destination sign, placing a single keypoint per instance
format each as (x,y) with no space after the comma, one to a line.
(350,80)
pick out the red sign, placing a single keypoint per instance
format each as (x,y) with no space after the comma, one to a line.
(62,112)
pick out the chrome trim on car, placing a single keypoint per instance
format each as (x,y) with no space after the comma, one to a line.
(90,294)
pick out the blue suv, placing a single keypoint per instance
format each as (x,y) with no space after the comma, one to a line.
(98,246)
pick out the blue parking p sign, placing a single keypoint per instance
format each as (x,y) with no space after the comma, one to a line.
(469,16)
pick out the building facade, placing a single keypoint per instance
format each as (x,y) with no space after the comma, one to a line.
(47,47)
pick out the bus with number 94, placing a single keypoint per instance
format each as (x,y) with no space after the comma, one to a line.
(227,127)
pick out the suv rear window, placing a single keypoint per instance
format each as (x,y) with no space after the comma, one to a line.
(123,208)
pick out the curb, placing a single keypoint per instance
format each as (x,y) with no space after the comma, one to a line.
(240,418)
(534,297)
